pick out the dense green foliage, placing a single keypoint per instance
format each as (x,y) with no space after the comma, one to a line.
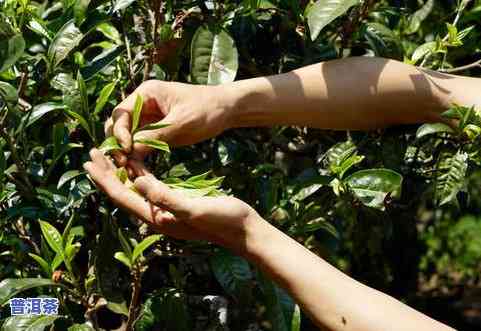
(390,207)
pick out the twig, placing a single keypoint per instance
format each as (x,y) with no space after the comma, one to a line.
(462,68)
(13,150)
(134,301)
(24,235)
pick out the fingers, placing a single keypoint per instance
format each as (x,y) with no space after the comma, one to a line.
(138,168)
(161,195)
(121,127)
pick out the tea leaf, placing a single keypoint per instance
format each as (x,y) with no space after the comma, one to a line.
(157,144)
(139,101)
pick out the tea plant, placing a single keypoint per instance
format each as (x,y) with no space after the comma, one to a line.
(354,198)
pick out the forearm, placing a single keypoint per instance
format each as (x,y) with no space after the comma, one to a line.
(332,299)
(353,93)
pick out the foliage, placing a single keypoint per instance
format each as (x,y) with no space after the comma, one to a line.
(353,199)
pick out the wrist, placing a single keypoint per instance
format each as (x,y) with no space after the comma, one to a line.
(259,233)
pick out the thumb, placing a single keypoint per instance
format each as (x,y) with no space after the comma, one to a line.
(162,195)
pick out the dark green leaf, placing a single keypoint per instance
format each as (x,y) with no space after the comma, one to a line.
(231,271)
(83,94)
(101,61)
(44,108)
(214,58)
(10,287)
(419,16)
(67,176)
(324,12)
(11,50)
(383,41)
(280,306)
(125,244)
(66,39)
(8,94)
(29,322)
(42,263)
(80,327)
(452,177)
(371,186)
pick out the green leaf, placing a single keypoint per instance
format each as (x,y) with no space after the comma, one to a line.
(110,144)
(83,94)
(6,29)
(42,263)
(143,245)
(29,322)
(423,50)
(139,102)
(231,271)
(432,128)
(11,50)
(296,319)
(157,144)
(122,175)
(122,257)
(118,307)
(279,305)
(80,10)
(453,173)
(8,94)
(10,287)
(153,126)
(324,12)
(52,236)
(38,26)
(42,109)
(125,244)
(383,41)
(371,186)
(57,261)
(80,327)
(3,164)
(66,39)
(70,251)
(67,176)
(419,16)
(81,120)
(214,57)
(121,4)
(101,61)
(66,231)
(110,32)
(104,96)
(165,311)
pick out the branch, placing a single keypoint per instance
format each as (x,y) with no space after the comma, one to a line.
(463,68)
(134,301)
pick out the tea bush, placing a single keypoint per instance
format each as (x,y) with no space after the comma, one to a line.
(65,64)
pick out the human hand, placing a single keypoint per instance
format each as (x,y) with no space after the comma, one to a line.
(226,221)
(193,112)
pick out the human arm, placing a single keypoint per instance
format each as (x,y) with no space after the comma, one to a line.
(333,300)
(352,93)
